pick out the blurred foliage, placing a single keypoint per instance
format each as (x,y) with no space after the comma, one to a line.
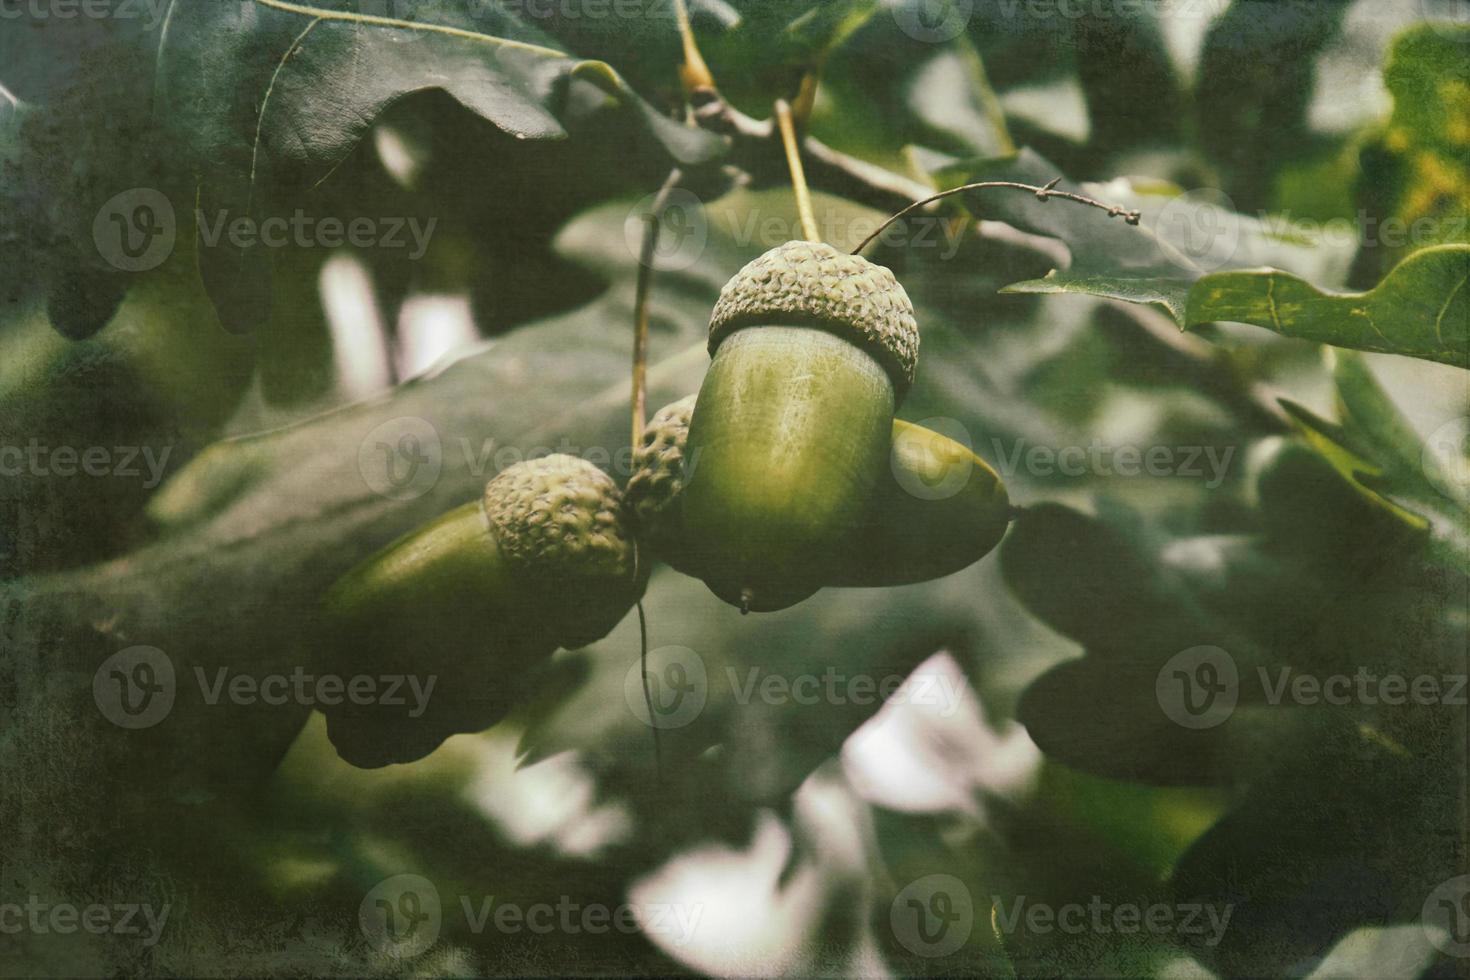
(1313,518)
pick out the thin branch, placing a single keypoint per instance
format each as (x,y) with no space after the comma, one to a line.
(754,150)
(798,175)
(1044,193)
(658,752)
(694,74)
(652,222)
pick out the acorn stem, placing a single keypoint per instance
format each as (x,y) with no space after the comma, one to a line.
(798,174)
(653,224)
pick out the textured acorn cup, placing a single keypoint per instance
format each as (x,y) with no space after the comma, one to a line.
(653,495)
(939,509)
(813,349)
(543,560)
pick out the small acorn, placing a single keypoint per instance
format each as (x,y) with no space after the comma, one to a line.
(544,559)
(652,496)
(812,351)
(938,509)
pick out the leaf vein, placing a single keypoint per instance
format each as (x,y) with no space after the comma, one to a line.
(408,25)
(265,101)
(1439,320)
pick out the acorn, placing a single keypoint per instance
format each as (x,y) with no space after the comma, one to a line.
(652,497)
(939,508)
(544,559)
(812,351)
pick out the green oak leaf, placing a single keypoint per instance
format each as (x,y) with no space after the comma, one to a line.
(1420,309)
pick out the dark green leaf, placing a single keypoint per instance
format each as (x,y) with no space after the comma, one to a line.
(1421,309)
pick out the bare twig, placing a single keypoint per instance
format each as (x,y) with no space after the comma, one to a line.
(798,175)
(1044,193)
(652,222)
(755,150)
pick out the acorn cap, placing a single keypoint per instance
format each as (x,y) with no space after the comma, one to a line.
(559,516)
(814,284)
(658,465)
(558,520)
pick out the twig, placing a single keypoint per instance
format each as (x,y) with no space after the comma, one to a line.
(754,150)
(694,74)
(1044,193)
(652,222)
(798,175)
(658,753)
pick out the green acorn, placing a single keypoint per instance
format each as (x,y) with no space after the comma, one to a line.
(938,509)
(812,350)
(543,560)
